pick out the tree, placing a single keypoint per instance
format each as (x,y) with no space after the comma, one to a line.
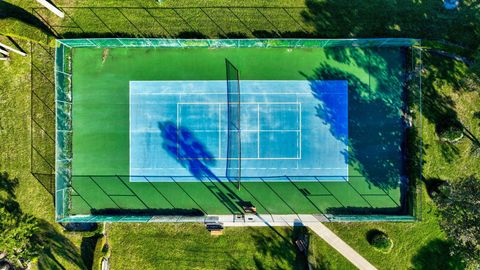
(18,237)
(459,208)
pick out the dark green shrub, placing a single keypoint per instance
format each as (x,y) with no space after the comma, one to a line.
(379,240)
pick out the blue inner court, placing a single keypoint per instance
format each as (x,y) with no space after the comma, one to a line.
(179,130)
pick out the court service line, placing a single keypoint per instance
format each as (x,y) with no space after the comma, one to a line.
(299,151)
(258,133)
(223,93)
(243,158)
(300,128)
(254,168)
(242,103)
(177,123)
(219,132)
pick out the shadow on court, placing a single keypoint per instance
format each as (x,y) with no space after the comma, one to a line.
(381,146)
(182,145)
(375,130)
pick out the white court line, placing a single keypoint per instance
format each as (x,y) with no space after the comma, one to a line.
(243,158)
(300,128)
(222,81)
(179,104)
(298,139)
(130,113)
(256,168)
(219,132)
(222,93)
(176,137)
(241,103)
(258,133)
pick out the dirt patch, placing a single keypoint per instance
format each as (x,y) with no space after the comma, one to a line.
(104,55)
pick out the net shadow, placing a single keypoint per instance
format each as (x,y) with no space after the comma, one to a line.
(182,145)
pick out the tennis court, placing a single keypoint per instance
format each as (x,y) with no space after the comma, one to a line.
(180,129)
(168,129)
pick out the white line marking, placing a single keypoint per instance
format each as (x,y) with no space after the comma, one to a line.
(176,131)
(300,128)
(219,132)
(258,133)
(252,102)
(130,113)
(255,168)
(243,158)
(220,93)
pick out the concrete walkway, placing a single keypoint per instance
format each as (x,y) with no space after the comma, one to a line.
(333,240)
(311,221)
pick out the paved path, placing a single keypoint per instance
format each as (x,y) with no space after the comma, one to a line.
(310,221)
(333,240)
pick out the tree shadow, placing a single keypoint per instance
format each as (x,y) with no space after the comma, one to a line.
(189,151)
(378,18)
(56,246)
(54,243)
(433,186)
(7,193)
(8,10)
(279,247)
(191,34)
(435,255)
(374,126)
(476,115)
(87,249)
(330,109)
(182,145)
(300,233)
(8,184)
(438,108)
(449,151)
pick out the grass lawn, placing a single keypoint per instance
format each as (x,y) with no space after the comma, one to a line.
(15,159)
(422,245)
(189,246)
(419,245)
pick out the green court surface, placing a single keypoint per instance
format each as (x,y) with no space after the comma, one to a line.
(100,122)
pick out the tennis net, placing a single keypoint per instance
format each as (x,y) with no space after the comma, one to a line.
(234,155)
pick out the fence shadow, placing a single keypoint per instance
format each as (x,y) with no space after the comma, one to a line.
(42,115)
(179,22)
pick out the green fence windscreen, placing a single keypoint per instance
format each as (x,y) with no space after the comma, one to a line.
(67,194)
